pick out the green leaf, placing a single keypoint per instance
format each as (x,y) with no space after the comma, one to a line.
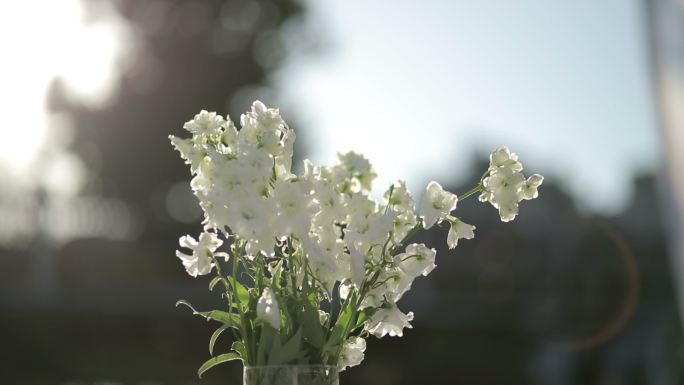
(242,292)
(345,317)
(363,316)
(214,337)
(215,361)
(186,303)
(287,353)
(313,330)
(239,347)
(277,274)
(214,282)
(268,334)
(332,346)
(228,319)
(335,336)
(313,299)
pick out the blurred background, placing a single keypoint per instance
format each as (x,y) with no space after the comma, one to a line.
(585,287)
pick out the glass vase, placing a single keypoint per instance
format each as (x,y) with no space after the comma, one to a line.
(290,375)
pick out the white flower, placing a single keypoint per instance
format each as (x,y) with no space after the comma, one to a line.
(200,261)
(262,127)
(192,154)
(269,118)
(258,162)
(403,224)
(364,225)
(358,168)
(329,241)
(375,297)
(203,180)
(267,309)
(324,266)
(312,173)
(357,272)
(352,352)
(508,210)
(503,180)
(283,161)
(389,320)
(502,157)
(416,260)
(294,208)
(358,207)
(344,289)
(252,219)
(330,201)
(322,226)
(459,230)
(370,233)
(503,187)
(507,204)
(436,204)
(354,163)
(400,199)
(323,317)
(338,177)
(230,135)
(398,282)
(529,189)
(205,124)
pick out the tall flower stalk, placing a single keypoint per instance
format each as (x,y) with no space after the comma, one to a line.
(311,265)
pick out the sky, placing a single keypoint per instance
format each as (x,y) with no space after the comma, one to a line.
(421,88)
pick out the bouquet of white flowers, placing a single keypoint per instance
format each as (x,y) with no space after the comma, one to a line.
(313,265)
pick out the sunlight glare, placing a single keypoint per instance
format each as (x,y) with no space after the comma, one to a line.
(57,42)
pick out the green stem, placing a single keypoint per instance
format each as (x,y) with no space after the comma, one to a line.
(384,247)
(410,256)
(243,325)
(389,198)
(219,273)
(408,236)
(477,189)
(355,300)
(229,293)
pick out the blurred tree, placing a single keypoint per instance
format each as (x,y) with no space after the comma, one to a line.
(111,314)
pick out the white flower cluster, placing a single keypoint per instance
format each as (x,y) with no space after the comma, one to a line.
(200,261)
(335,231)
(506,186)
